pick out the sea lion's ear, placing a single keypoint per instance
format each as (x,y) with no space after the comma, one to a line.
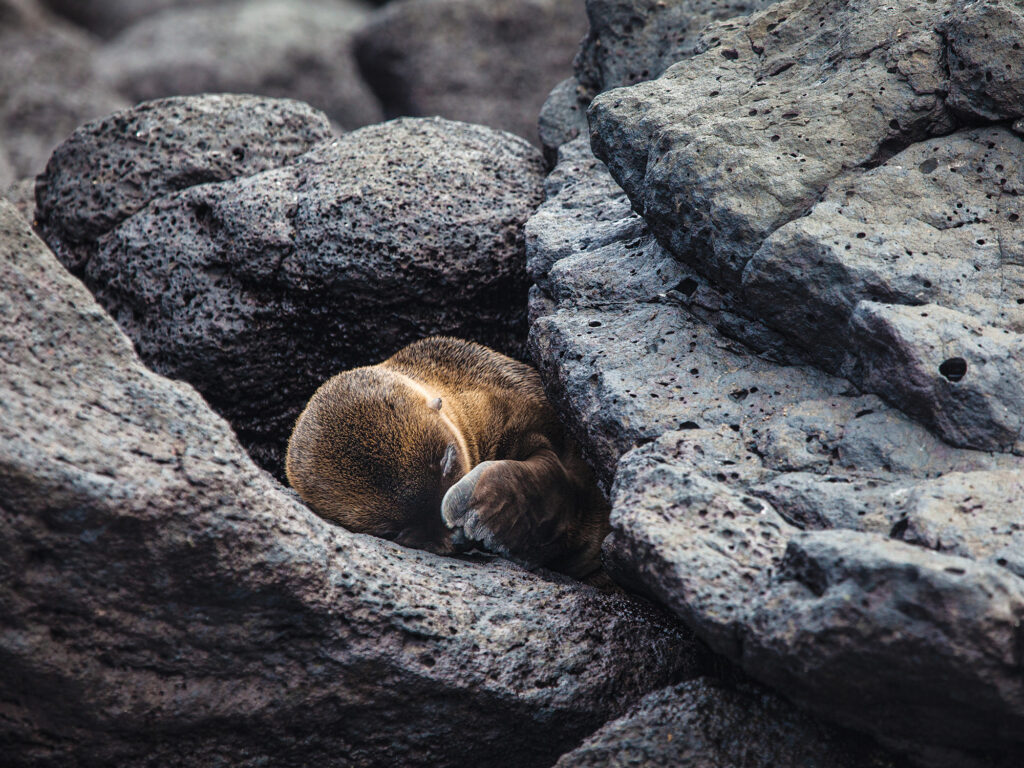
(450,461)
(434,404)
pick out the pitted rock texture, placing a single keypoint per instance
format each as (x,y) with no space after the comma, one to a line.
(706,723)
(482,61)
(795,157)
(49,84)
(110,169)
(269,47)
(629,41)
(260,287)
(752,458)
(162,600)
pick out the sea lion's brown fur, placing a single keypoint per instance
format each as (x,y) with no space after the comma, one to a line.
(378,448)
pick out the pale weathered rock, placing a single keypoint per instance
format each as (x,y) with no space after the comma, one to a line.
(757,162)
(108,17)
(163,600)
(267,47)
(22,194)
(482,61)
(749,455)
(260,287)
(706,723)
(829,617)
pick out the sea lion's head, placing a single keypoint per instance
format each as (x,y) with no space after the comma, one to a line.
(375,452)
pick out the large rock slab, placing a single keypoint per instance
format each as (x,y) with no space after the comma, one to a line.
(482,61)
(258,288)
(829,617)
(708,723)
(746,450)
(49,84)
(267,47)
(776,163)
(165,600)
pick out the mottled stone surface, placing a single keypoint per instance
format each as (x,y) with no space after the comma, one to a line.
(792,164)
(164,600)
(483,61)
(48,84)
(258,288)
(107,17)
(753,463)
(706,723)
(268,47)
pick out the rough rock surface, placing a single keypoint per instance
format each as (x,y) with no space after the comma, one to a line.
(794,158)
(48,84)
(760,463)
(629,41)
(162,600)
(483,61)
(705,723)
(267,47)
(258,288)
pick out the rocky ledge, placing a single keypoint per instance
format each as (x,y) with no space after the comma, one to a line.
(781,315)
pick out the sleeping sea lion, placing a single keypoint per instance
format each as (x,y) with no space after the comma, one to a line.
(447,445)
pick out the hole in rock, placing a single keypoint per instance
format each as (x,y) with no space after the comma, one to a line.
(954,368)
(687,286)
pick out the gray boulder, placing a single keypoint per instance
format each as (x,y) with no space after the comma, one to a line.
(746,450)
(108,17)
(910,645)
(162,600)
(266,47)
(708,723)
(258,288)
(776,164)
(482,61)
(48,84)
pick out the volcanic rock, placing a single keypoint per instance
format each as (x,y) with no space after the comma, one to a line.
(259,287)
(164,600)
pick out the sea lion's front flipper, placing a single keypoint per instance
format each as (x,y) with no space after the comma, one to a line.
(527,510)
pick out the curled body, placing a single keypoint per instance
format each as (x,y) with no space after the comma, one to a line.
(447,445)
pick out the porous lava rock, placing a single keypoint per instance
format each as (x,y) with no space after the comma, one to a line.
(483,61)
(259,287)
(267,47)
(629,41)
(809,532)
(797,157)
(708,723)
(163,600)
(49,84)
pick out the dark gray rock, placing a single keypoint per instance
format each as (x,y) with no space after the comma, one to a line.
(562,118)
(482,61)
(112,168)
(108,17)
(986,60)
(268,47)
(48,84)
(258,288)
(706,723)
(162,600)
(631,41)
